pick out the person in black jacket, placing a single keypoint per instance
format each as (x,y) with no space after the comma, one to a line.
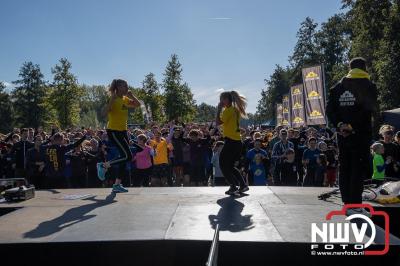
(288,170)
(351,105)
(35,163)
(20,150)
(79,166)
(198,148)
(55,161)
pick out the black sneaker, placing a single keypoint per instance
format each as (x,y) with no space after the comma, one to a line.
(231,191)
(243,189)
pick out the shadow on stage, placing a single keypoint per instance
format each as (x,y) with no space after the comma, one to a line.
(230,216)
(70,217)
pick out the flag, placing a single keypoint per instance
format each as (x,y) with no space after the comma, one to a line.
(314,95)
(297,106)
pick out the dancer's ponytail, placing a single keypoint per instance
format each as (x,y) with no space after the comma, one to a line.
(239,102)
(117,83)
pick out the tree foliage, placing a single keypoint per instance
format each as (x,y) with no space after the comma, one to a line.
(205,113)
(388,65)
(152,98)
(276,86)
(367,28)
(6,110)
(179,102)
(29,96)
(92,103)
(65,94)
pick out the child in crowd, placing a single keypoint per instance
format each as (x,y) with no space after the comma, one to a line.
(78,158)
(378,163)
(218,177)
(251,158)
(320,179)
(332,158)
(143,163)
(161,148)
(258,172)
(288,172)
(198,149)
(310,156)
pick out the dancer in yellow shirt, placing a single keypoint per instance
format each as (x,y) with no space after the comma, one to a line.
(231,108)
(117,110)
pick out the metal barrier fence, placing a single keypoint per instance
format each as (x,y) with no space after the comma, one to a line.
(213,255)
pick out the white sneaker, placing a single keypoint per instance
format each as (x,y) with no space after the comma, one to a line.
(358,211)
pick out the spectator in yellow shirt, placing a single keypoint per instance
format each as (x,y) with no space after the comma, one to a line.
(160,159)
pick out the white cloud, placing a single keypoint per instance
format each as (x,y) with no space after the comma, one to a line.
(9,86)
(220,18)
(220,90)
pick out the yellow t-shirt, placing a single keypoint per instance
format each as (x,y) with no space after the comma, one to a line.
(230,123)
(161,150)
(118,115)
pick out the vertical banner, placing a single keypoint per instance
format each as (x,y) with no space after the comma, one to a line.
(297,111)
(314,94)
(286,111)
(279,114)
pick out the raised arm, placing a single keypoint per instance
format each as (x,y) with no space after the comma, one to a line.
(75,144)
(133,101)
(218,120)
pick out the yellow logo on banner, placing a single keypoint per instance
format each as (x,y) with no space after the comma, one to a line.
(297,106)
(296,91)
(298,120)
(313,94)
(286,98)
(285,122)
(285,110)
(315,113)
(312,75)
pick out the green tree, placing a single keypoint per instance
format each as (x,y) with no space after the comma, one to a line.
(368,19)
(333,42)
(89,119)
(306,50)
(94,99)
(65,94)
(388,64)
(205,113)
(153,98)
(29,96)
(276,86)
(179,101)
(6,110)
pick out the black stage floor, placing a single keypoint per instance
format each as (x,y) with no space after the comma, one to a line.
(270,215)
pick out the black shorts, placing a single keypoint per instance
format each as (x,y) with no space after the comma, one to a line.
(141,177)
(186,169)
(176,162)
(160,170)
(198,173)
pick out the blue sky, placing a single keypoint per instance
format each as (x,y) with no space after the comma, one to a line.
(222,44)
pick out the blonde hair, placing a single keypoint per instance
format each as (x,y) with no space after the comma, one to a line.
(385,128)
(238,101)
(375,147)
(142,137)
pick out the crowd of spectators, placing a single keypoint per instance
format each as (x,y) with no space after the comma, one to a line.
(177,154)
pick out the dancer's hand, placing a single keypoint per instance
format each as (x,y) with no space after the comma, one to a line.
(130,94)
